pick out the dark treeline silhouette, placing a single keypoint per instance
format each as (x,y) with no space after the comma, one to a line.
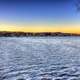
(26,34)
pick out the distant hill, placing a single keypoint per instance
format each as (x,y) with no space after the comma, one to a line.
(26,34)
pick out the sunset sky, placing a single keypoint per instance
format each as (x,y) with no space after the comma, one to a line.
(39,16)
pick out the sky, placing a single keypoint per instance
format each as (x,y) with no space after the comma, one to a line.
(39,16)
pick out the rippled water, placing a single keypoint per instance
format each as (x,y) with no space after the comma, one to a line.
(36,58)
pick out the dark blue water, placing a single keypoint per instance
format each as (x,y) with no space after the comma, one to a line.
(36,58)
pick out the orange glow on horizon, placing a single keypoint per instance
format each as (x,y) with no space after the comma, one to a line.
(65,29)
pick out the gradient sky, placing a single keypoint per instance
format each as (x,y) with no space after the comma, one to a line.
(39,16)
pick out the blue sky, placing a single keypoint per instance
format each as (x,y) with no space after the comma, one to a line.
(37,10)
(39,13)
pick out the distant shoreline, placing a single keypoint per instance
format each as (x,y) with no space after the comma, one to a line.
(28,34)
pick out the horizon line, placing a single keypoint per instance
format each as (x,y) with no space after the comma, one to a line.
(39,32)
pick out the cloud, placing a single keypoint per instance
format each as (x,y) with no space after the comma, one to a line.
(77,4)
